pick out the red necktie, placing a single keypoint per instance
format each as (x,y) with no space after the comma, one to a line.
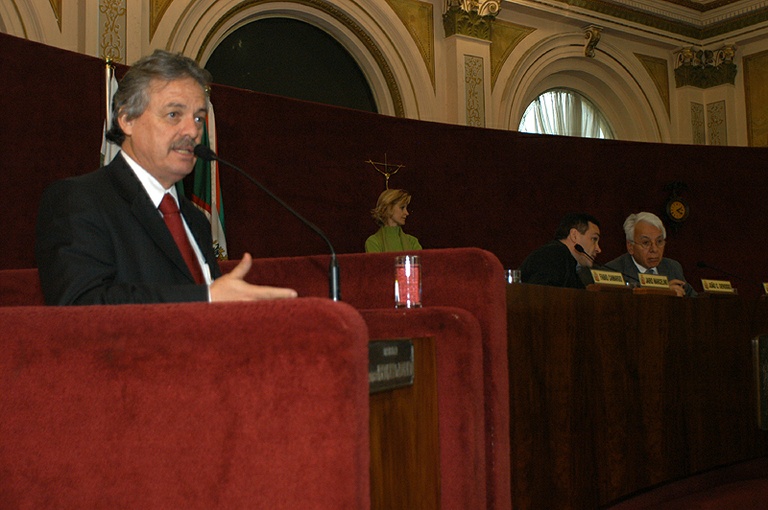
(172,219)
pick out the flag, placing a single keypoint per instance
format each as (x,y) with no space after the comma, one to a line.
(206,192)
(108,149)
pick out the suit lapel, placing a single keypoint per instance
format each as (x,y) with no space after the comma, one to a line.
(631,269)
(128,185)
(664,268)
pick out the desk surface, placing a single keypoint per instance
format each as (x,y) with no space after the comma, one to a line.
(614,393)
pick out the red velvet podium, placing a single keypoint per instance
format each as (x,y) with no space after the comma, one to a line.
(463,316)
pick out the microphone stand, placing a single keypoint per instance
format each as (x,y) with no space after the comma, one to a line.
(204,153)
(704,265)
(579,248)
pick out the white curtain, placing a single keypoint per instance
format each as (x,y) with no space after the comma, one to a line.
(564,112)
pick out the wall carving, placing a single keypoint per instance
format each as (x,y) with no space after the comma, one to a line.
(592,36)
(717,130)
(112,21)
(481,7)
(474,92)
(697,124)
(705,68)
(457,21)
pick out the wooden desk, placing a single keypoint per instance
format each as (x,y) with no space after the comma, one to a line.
(405,450)
(613,393)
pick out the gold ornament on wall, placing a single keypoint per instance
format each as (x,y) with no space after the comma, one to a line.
(592,35)
(112,25)
(385,169)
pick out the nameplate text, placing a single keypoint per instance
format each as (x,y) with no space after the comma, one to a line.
(390,364)
(607,277)
(657,281)
(717,286)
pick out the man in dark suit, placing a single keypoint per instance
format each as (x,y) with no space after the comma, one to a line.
(100,236)
(559,263)
(646,239)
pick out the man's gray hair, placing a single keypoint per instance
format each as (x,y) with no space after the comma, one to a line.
(650,218)
(132,96)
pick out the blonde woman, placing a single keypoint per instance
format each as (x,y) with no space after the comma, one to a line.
(390,214)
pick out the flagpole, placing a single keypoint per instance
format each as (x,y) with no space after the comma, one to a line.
(108,150)
(109,74)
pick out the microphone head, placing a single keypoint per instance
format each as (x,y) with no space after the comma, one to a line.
(204,153)
(579,248)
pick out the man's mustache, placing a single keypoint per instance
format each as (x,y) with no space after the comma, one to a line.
(186,143)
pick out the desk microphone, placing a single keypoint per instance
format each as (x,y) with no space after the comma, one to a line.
(206,154)
(579,248)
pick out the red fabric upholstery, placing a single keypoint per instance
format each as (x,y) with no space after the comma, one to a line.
(467,278)
(189,406)
(460,394)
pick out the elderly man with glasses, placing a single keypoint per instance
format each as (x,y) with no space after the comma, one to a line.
(646,238)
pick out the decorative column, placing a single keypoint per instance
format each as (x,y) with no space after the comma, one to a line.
(468,25)
(704,82)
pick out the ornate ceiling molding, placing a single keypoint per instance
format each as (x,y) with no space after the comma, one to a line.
(691,19)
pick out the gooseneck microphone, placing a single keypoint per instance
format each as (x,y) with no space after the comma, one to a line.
(206,154)
(579,248)
(704,265)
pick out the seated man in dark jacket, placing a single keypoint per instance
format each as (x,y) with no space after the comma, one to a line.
(559,262)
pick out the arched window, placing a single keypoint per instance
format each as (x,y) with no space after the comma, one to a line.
(565,112)
(291,58)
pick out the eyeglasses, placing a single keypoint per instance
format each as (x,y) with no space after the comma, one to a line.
(647,243)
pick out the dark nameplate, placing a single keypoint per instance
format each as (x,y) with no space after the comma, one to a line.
(390,364)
